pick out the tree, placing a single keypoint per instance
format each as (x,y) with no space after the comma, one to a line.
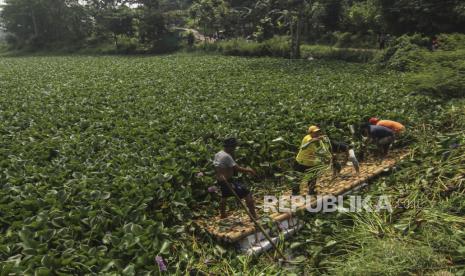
(119,21)
(209,14)
(363,16)
(294,13)
(140,19)
(330,14)
(151,21)
(40,23)
(296,29)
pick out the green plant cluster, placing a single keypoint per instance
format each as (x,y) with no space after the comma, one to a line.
(451,42)
(424,234)
(333,53)
(440,72)
(279,46)
(100,157)
(404,53)
(342,39)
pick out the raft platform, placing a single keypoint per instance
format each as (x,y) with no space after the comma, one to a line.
(238,229)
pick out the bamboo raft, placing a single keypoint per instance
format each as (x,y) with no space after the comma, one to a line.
(237,227)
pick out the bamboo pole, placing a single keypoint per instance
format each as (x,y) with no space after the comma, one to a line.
(257,224)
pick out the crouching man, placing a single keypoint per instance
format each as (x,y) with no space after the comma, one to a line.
(397,127)
(226,168)
(381,136)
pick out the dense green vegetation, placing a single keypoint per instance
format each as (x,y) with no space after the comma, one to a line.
(280,47)
(100,158)
(128,26)
(135,26)
(438,73)
(105,161)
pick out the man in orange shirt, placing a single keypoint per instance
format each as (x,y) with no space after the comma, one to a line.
(393,125)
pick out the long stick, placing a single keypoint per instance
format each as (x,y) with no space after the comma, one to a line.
(257,224)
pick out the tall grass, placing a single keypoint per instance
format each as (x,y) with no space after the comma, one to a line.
(280,47)
(424,234)
(439,73)
(333,53)
(277,47)
(391,256)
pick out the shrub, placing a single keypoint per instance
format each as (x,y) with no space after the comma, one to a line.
(208,47)
(329,38)
(343,39)
(404,54)
(277,46)
(280,47)
(367,40)
(246,48)
(450,42)
(436,73)
(355,40)
(438,80)
(332,53)
(127,45)
(168,43)
(404,256)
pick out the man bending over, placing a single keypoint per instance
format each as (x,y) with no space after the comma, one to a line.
(381,136)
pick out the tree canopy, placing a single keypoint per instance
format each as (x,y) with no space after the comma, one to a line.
(48,23)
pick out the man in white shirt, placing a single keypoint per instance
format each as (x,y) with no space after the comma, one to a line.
(226,168)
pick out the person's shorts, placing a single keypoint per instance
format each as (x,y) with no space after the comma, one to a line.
(385,141)
(241,190)
(339,147)
(302,168)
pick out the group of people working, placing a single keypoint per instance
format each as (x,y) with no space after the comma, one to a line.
(315,149)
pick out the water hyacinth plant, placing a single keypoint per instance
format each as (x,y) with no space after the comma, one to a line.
(105,162)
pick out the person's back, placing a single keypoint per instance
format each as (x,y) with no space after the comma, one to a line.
(395,126)
(224,165)
(380,132)
(225,168)
(382,136)
(307,152)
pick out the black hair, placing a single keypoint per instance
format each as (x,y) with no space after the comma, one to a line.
(230,142)
(364,127)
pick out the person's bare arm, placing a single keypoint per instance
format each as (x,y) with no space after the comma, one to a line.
(244,170)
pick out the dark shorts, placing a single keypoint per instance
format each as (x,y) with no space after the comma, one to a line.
(311,182)
(241,190)
(300,168)
(385,141)
(339,147)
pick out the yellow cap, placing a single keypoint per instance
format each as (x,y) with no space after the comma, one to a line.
(313,129)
